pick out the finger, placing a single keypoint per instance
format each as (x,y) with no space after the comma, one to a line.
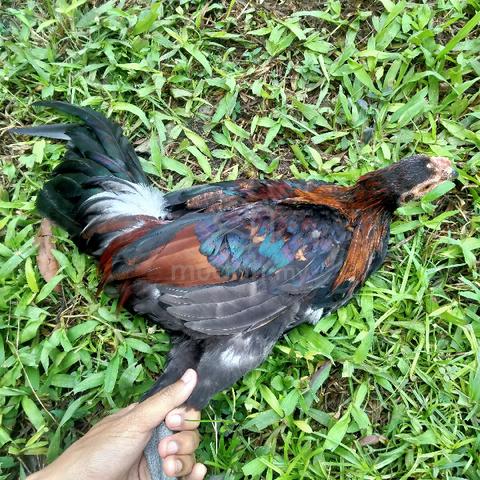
(178,465)
(183,419)
(148,414)
(182,443)
(199,471)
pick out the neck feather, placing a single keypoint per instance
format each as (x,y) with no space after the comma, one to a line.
(372,191)
(368,194)
(368,208)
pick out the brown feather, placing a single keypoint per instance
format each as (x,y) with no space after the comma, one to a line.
(145,224)
(332,196)
(178,263)
(368,236)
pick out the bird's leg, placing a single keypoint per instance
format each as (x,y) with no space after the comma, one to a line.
(184,354)
(226,359)
(154,461)
(220,361)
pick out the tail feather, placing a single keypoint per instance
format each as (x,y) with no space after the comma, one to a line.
(55,130)
(109,137)
(58,200)
(99,177)
(87,167)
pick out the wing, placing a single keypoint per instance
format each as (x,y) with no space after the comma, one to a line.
(230,271)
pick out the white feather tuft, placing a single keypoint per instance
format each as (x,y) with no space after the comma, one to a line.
(128,199)
(122,198)
(313,315)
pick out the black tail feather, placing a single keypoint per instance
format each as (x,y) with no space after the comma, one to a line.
(96,148)
(107,134)
(55,130)
(58,200)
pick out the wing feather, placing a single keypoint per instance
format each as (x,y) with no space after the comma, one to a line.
(225,272)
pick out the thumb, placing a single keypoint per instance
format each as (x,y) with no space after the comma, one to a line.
(151,412)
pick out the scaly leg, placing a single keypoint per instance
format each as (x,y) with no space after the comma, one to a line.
(184,354)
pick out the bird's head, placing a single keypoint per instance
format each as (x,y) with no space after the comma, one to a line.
(409,179)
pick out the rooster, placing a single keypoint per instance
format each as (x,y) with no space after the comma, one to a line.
(227,268)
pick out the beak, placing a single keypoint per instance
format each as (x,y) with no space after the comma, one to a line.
(453,174)
(444,164)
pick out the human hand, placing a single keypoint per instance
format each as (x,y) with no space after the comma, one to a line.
(113,448)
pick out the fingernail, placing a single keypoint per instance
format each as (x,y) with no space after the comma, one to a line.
(175,420)
(178,466)
(188,376)
(172,448)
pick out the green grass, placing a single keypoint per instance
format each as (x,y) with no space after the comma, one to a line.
(210,91)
